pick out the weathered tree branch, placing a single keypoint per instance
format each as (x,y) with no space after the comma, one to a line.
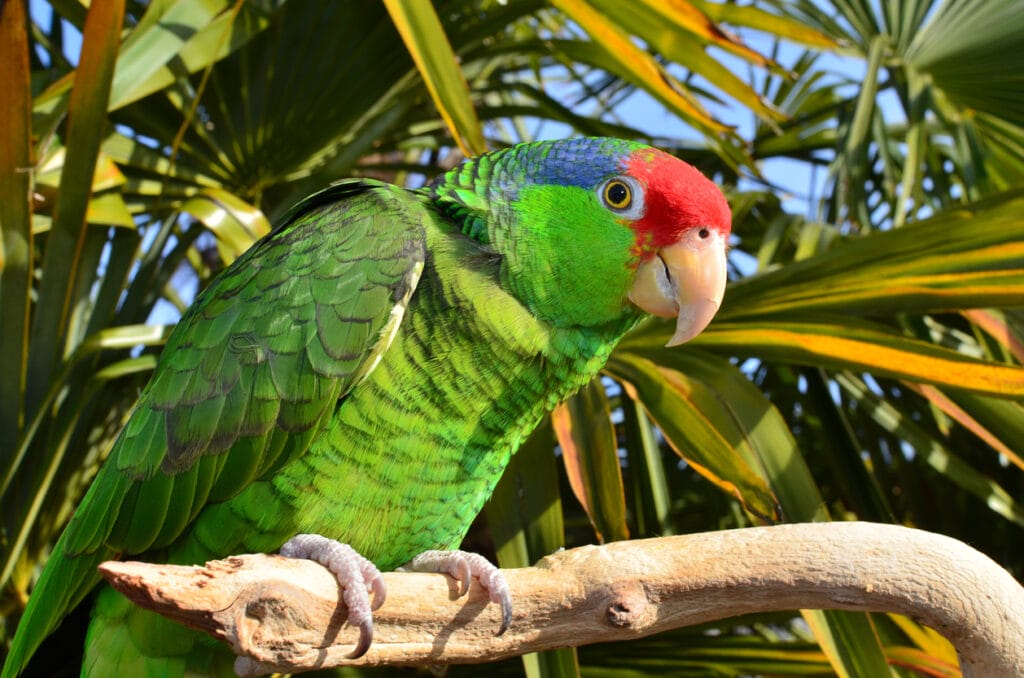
(286,615)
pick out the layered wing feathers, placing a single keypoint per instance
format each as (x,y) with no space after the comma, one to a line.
(245,380)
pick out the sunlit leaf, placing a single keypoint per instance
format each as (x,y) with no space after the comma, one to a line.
(236,224)
(86,122)
(525,518)
(961,258)
(948,406)
(109,208)
(998,328)
(679,31)
(674,403)
(160,37)
(634,64)
(922,662)
(933,452)
(106,174)
(173,37)
(756,17)
(590,452)
(1002,419)
(649,494)
(753,427)
(850,642)
(860,345)
(525,512)
(966,44)
(16,246)
(936,652)
(425,39)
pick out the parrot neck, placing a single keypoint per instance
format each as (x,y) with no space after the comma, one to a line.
(533,232)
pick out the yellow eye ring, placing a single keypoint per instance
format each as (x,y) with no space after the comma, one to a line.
(617,194)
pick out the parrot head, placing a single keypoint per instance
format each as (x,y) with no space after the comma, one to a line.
(681,235)
(596,231)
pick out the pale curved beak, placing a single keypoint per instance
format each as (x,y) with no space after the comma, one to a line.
(685,279)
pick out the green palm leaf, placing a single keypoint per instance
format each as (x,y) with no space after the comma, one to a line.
(866,362)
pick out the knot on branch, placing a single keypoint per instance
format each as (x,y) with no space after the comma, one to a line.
(629,607)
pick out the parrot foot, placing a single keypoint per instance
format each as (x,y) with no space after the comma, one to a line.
(357,576)
(463,566)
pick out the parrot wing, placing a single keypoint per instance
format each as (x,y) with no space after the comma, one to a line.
(245,381)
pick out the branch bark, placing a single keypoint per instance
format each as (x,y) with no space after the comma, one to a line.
(286,615)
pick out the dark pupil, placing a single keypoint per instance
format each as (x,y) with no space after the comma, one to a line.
(617,194)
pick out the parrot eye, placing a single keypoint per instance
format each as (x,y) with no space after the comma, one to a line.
(623,195)
(617,194)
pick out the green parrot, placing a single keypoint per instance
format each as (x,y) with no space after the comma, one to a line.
(365,371)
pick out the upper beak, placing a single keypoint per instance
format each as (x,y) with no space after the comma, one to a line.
(685,279)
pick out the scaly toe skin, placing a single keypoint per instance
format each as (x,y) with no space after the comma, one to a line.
(462,566)
(356,575)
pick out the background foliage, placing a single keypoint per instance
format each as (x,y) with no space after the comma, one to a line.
(866,363)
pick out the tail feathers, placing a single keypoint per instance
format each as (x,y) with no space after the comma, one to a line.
(110,649)
(125,640)
(64,583)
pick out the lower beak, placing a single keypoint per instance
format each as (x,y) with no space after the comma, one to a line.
(685,279)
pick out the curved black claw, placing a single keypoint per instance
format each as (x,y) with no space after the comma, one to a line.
(463,566)
(356,575)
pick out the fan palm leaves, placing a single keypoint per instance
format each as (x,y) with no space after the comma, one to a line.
(866,363)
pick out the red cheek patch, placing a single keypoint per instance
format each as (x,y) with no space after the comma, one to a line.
(677,197)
